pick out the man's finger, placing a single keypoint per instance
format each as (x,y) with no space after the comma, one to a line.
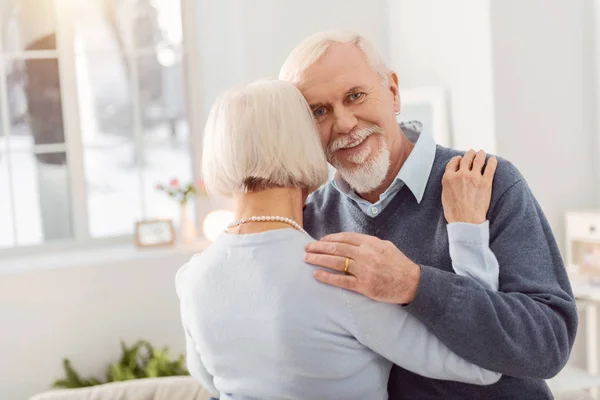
(467,160)
(490,168)
(355,239)
(453,164)
(348,282)
(479,162)
(336,263)
(332,248)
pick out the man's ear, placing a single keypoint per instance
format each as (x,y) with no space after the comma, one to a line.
(395,90)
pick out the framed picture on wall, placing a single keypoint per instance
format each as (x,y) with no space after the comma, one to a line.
(429,106)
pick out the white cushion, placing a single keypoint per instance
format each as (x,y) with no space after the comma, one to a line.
(167,388)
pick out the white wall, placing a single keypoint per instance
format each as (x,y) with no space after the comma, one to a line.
(448,44)
(82,313)
(272,28)
(244,40)
(521,85)
(542,52)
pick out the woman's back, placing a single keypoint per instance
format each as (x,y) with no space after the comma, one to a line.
(265,328)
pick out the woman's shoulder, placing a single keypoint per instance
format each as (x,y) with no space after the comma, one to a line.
(229,251)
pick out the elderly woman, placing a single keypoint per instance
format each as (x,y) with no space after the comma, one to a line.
(257,323)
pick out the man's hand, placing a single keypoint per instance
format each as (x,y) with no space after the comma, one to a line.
(376,268)
(466,190)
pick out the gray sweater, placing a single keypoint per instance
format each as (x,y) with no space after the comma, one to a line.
(524,331)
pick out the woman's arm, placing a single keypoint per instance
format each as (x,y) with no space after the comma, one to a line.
(401,338)
(195,365)
(471,254)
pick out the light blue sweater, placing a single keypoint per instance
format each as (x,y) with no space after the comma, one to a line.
(258,325)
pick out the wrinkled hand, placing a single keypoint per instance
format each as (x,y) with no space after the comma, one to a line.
(376,268)
(466,190)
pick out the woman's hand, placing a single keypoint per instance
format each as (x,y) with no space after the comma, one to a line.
(467,187)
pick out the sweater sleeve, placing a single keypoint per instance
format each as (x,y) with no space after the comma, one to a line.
(406,342)
(194,362)
(527,328)
(195,365)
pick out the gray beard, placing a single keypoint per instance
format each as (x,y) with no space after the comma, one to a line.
(368,175)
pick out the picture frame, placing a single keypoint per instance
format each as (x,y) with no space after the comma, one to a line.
(429,106)
(154,233)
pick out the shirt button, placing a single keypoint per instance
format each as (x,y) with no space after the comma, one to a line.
(374,210)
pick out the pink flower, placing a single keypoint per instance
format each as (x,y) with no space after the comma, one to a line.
(174,183)
(159,186)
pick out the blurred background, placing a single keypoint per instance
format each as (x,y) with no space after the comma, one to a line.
(102,100)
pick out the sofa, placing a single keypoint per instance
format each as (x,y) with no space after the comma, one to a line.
(168,388)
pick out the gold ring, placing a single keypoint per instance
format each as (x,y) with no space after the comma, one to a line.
(346,265)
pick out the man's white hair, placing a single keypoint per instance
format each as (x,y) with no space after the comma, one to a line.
(311,49)
(260,136)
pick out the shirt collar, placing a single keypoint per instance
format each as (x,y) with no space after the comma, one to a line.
(416,169)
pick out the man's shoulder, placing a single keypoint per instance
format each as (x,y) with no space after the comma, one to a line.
(322,197)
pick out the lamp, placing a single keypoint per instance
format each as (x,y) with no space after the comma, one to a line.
(215,223)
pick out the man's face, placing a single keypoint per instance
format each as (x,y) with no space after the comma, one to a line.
(354,111)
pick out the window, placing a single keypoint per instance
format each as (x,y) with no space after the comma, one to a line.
(92,117)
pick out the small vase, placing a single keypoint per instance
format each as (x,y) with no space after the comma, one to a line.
(187,227)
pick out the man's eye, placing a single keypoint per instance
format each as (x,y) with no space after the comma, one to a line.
(356,96)
(319,112)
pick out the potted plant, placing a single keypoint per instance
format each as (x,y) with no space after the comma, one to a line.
(139,361)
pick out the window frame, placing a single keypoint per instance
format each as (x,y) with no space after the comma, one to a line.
(73,143)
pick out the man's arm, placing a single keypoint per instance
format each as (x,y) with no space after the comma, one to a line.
(528,328)
(401,338)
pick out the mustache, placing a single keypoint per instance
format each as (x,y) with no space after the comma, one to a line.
(357,136)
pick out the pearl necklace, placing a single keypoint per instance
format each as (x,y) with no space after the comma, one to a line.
(268,219)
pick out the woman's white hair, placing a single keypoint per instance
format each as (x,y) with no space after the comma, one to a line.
(314,47)
(260,136)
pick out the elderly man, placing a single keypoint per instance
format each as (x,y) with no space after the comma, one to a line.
(381,221)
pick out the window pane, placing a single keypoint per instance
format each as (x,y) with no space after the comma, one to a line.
(156,23)
(42,200)
(34,103)
(7,238)
(99,24)
(161,165)
(113,190)
(30,25)
(162,97)
(104,99)
(125,25)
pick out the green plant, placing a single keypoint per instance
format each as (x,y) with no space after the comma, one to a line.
(138,361)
